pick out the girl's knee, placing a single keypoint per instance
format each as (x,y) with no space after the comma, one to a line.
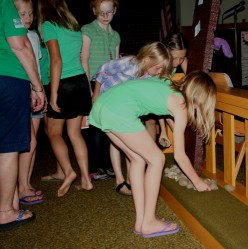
(159,159)
(150,122)
(162,158)
(53,133)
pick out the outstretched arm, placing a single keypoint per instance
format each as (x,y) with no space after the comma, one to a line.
(96,91)
(163,137)
(179,112)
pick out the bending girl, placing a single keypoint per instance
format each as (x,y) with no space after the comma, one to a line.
(117,113)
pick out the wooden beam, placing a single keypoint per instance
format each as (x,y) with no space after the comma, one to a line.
(201,233)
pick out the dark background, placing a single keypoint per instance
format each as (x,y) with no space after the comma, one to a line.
(137,21)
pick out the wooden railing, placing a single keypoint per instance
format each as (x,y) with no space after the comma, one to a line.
(232,103)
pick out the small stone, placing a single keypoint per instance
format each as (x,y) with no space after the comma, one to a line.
(229,188)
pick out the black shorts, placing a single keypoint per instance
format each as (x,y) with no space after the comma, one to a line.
(148,117)
(74,98)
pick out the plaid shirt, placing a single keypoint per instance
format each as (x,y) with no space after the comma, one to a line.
(116,71)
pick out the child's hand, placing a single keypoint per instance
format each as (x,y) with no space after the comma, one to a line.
(164,141)
(201,186)
(53,103)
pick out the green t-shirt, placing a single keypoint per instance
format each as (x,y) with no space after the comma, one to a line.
(102,45)
(10,25)
(70,45)
(119,108)
(44,65)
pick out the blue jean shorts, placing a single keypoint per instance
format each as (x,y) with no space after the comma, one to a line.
(14,115)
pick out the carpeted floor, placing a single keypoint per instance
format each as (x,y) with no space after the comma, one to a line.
(100,218)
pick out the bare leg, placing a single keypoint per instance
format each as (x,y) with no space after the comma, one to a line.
(8,179)
(151,128)
(115,156)
(80,150)
(16,199)
(60,149)
(36,125)
(128,169)
(141,150)
(59,174)
(26,168)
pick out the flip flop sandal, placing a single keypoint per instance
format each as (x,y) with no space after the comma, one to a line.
(120,186)
(37,192)
(163,231)
(52,179)
(17,223)
(23,200)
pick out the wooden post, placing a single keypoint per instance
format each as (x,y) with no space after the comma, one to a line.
(201,46)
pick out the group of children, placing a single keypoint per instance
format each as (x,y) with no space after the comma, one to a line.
(119,95)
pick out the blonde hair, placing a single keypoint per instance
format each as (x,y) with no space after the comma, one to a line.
(57,12)
(95,4)
(157,53)
(175,41)
(18,2)
(200,92)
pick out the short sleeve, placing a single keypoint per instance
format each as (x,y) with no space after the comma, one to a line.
(118,39)
(86,30)
(49,31)
(13,25)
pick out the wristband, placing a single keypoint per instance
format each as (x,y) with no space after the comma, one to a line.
(37,91)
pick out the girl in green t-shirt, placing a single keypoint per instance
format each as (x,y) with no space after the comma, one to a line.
(69,96)
(117,113)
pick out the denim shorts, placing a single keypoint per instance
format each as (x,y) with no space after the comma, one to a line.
(14,115)
(39,114)
(74,98)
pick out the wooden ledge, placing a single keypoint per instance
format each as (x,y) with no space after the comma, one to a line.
(238,192)
(203,235)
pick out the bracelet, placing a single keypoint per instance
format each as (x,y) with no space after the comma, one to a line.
(37,91)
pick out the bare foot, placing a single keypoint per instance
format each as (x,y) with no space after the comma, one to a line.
(66,184)
(84,186)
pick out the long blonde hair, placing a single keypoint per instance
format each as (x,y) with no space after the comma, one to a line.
(157,53)
(200,93)
(57,12)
